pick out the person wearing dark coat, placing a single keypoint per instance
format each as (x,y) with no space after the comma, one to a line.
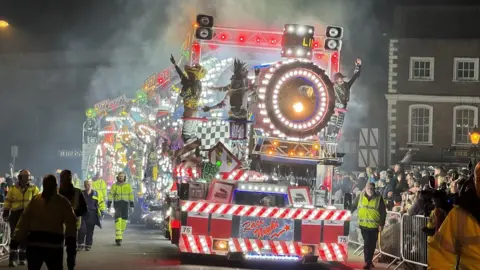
(401,186)
(422,204)
(79,205)
(398,170)
(389,190)
(96,210)
(361,182)
(425,179)
(9,181)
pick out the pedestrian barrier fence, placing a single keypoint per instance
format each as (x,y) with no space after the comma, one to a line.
(389,238)
(4,234)
(402,239)
(354,235)
(4,237)
(413,241)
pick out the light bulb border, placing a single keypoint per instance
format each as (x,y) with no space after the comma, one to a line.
(279,74)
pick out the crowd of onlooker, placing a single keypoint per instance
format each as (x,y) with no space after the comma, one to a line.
(430,192)
(407,191)
(9,181)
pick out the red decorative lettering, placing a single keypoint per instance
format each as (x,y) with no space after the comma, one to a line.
(260,230)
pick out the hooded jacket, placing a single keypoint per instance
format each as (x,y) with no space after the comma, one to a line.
(390,186)
(457,242)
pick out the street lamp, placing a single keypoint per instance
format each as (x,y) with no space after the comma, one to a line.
(474,139)
(3,24)
(475,136)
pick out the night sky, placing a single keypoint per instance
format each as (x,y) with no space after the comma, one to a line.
(43,98)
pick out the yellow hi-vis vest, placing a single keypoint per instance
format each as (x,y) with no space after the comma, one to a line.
(120,192)
(76,183)
(431,223)
(95,197)
(456,243)
(100,187)
(17,199)
(368,214)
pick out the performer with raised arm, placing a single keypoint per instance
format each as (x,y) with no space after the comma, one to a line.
(239,91)
(190,92)
(342,90)
(342,86)
(240,94)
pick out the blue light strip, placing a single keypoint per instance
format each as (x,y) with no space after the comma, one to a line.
(263,65)
(271,257)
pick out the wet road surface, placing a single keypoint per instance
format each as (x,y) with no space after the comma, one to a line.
(147,249)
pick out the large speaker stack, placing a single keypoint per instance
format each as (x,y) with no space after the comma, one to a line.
(204,26)
(333,40)
(297,41)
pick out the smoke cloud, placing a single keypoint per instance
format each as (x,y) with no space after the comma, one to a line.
(155,29)
(158,28)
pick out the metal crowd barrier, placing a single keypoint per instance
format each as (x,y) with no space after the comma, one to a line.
(4,238)
(402,239)
(354,235)
(4,234)
(390,237)
(413,241)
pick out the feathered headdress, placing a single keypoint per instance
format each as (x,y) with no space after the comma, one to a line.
(240,69)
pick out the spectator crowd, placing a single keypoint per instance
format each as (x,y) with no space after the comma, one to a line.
(430,192)
(412,192)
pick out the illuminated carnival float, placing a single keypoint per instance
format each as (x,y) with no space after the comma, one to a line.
(130,135)
(292,115)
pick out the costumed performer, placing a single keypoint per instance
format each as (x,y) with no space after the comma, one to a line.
(190,92)
(342,88)
(239,92)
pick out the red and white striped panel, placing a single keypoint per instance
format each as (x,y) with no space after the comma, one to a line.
(265,212)
(199,244)
(332,252)
(202,244)
(284,248)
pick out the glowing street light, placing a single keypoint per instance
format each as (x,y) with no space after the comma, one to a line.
(475,136)
(298,107)
(3,24)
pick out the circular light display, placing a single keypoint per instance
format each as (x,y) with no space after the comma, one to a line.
(298,98)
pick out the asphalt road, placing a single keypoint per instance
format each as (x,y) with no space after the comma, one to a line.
(147,249)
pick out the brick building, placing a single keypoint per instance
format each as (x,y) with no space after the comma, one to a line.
(433,88)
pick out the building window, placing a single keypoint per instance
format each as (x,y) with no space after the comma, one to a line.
(465,69)
(422,68)
(420,124)
(465,118)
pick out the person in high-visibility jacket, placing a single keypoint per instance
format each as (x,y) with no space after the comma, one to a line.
(47,224)
(372,214)
(18,198)
(76,181)
(79,205)
(456,245)
(93,218)
(99,185)
(121,194)
(437,215)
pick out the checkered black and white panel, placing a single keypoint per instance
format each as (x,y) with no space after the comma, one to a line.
(211,134)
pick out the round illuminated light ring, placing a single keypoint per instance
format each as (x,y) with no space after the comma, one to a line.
(281,73)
